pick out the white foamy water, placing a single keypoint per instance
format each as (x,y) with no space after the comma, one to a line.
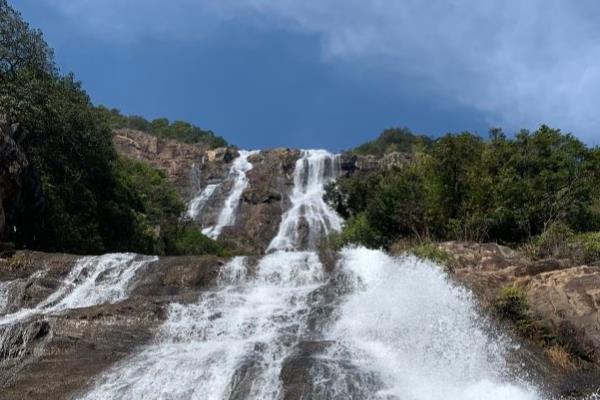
(314,170)
(196,205)
(419,334)
(237,173)
(93,280)
(231,342)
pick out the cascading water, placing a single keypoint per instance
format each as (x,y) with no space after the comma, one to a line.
(93,280)
(237,173)
(314,170)
(228,345)
(384,328)
(417,333)
(196,205)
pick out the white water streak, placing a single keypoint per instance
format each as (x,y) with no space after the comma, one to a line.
(93,280)
(237,173)
(314,170)
(196,205)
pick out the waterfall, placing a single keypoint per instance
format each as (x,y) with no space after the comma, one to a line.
(92,281)
(231,343)
(237,173)
(197,203)
(405,323)
(309,217)
(375,327)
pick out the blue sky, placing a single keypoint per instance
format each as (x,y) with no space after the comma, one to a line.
(334,73)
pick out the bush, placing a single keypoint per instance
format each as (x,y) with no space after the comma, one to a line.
(188,240)
(431,252)
(358,230)
(586,247)
(559,241)
(554,242)
(511,305)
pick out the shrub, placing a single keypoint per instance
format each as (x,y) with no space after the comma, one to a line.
(431,252)
(462,187)
(554,242)
(586,247)
(358,230)
(189,240)
(511,305)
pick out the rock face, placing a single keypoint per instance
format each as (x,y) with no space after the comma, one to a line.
(352,163)
(174,158)
(262,203)
(54,355)
(265,200)
(564,297)
(20,188)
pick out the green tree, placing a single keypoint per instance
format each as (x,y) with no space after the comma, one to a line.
(21,47)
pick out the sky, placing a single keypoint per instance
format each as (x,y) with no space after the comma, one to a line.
(334,73)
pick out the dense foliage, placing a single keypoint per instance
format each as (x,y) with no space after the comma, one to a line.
(94,201)
(394,139)
(162,128)
(466,188)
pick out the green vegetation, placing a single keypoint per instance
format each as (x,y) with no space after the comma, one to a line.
(462,187)
(394,139)
(95,202)
(429,251)
(512,305)
(162,128)
(560,241)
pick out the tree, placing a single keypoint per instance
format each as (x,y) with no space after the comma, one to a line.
(20,46)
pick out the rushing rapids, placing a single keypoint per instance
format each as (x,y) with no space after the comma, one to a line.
(286,327)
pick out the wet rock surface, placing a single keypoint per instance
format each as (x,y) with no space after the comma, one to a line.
(57,354)
(263,202)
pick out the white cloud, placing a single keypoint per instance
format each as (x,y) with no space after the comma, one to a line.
(518,62)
